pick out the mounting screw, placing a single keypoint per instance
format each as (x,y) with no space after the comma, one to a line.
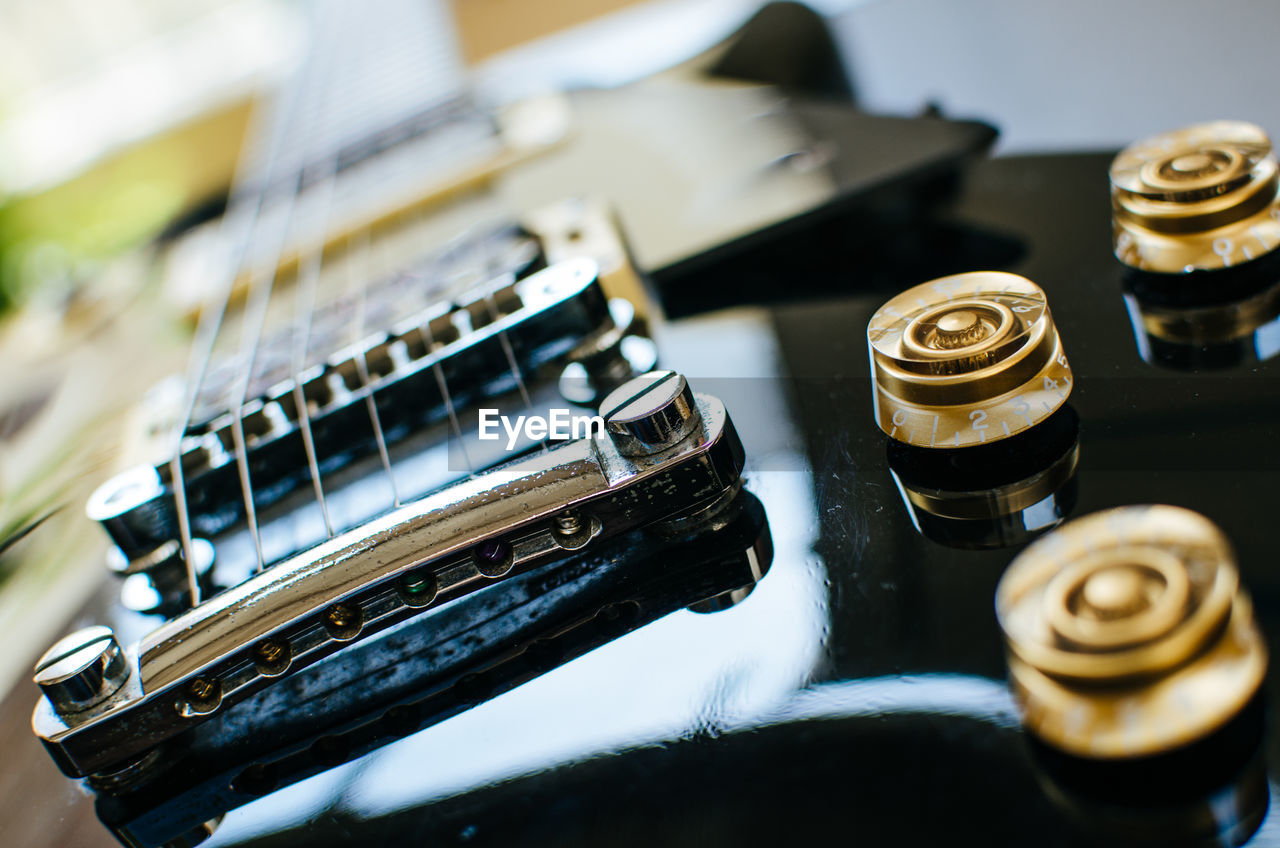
(650,413)
(82,669)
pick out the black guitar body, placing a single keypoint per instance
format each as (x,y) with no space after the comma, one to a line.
(822,663)
(894,725)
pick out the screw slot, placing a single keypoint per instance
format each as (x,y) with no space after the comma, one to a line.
(203,696)
(343,621)
(650,413)
(272,657)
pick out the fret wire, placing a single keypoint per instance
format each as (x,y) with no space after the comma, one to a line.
(359,281)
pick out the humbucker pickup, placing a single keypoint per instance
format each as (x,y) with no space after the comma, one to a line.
(665,453)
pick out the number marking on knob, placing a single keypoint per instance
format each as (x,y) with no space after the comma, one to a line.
(965,360)
(1204,197)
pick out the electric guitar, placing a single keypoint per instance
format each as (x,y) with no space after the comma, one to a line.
(770,598)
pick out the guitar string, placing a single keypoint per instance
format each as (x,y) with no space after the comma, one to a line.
(305,319)
(235,234)
(505,341)
(358,276)
(437,370)
(309,276)
(261,284)
(358,279)
(259,301)
(442,382)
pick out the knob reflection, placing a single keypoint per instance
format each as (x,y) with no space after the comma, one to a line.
(994,495)
(1213,793)
(1206,319)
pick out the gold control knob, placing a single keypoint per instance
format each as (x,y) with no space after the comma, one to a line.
(966,360)
(1128,634)
(1200,198)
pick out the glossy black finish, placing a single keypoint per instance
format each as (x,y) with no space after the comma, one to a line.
(885,172)
(991,480)
(858,695)
(1221,319)
(426,669)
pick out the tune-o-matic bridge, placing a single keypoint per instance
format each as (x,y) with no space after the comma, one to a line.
(666,452)
(442,357)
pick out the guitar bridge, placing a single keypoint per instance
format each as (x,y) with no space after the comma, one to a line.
(665,453)
(445,357)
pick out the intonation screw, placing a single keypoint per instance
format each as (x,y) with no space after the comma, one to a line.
(271,656)
(416,584)
(341,616)
(418,588)
(204,694)
(343,621)
(270,651)
(494,557)
(568,524)
(201,689)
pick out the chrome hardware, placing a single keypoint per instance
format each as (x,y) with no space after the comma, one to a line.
(650,413)
(438,548)
(546,316)
(432,666)
(82,669)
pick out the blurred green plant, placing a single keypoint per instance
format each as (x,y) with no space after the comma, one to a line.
(54,238)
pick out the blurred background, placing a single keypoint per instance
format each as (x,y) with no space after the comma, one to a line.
(117,117)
